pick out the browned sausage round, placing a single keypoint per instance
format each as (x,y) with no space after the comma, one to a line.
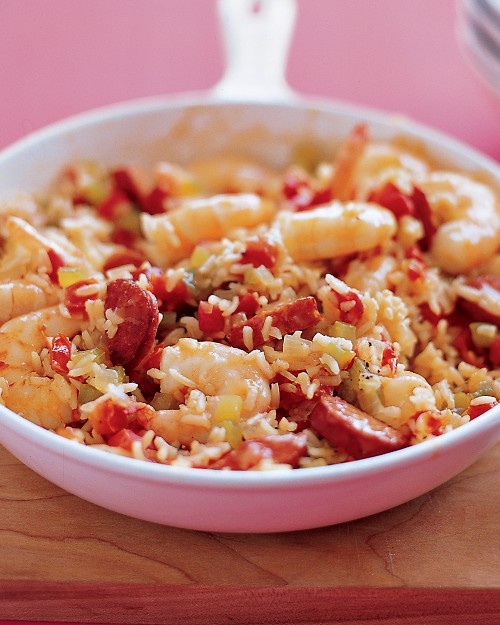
(348,428)
(135,336)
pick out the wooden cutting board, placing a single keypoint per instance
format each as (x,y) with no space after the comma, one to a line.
(433,560)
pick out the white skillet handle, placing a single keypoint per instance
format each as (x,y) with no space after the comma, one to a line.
(257,35)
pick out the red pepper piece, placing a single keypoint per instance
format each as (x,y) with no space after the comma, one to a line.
(259,252)
(210,318)
(60,354)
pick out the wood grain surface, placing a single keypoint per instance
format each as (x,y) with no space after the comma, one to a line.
(63,559)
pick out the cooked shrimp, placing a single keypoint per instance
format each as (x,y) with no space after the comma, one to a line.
(47,400)
(468,216)
(382,162)
(28,334)
(172,236)
(23,295)
(27,250)
(345,164)
(336,229)
(217,369)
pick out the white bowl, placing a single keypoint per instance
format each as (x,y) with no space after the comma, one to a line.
(146,131)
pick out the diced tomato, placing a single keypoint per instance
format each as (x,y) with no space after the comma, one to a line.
(351,307)
(390,197)
(494,352)
(124,438)
(248,304)
(154,202)
(74,302)
(168,299)
(299,190)
(108,417)
(429,315)
(132,181)
(60,354)
(210,318)
(117,203)
(389,358)
(423,212)
(401,204)
(122,236)
(57,262)
(415,270)
(125,257)
(476,410)
(465,346)
(259,252)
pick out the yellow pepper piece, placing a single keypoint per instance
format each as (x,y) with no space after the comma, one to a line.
(66,276)
(228,409)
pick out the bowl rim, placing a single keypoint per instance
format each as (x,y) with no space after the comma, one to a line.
(397,121)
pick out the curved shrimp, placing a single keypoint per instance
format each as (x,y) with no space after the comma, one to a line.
(22,295)
(27,250)
(336,229)
(47,400)
(468,213)
(172,236)
(27,334)
(201,374)
(217,369)
(383,162)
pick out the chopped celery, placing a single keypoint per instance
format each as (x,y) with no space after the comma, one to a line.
(343,356)
(355,372)
(343,330)
(162,401)
(233,433)
(129,220)
(199,256)
(96,355)
(87,393)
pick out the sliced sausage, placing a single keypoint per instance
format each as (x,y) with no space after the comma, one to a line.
(348,428)
(282,449)
(135,335)
(298,315)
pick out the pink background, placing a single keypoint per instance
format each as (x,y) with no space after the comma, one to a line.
(59,57)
